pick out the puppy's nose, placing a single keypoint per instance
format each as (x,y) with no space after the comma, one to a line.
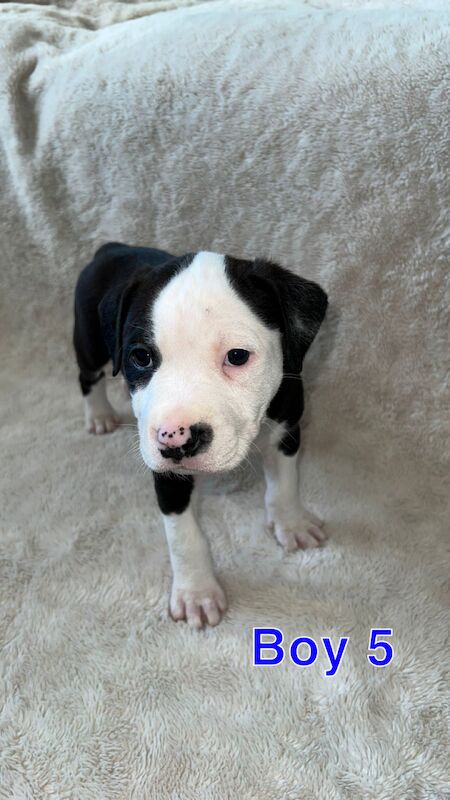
(173,434)
(177,441)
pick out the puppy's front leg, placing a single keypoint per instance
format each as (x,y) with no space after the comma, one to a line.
(196,595)
(293,526)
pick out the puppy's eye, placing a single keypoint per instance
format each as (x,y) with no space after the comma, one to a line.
(140,357)
(236,357)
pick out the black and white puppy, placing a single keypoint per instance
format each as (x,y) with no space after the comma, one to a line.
(211,348)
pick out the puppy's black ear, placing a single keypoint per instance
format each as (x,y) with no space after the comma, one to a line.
(303,306)
(283,300)
(113,310)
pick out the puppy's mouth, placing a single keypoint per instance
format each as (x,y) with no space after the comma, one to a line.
(184,459)
(192,465)
(186,466)
(194,456)
(177,454)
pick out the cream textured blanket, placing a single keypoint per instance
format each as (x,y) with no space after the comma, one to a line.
(314,133)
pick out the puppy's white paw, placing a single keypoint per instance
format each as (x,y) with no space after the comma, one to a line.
(198,606)
(308,515)
(102,422)
(301,532)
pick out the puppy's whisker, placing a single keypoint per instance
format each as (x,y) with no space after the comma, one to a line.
(247,463)
(273,426)
(255,447)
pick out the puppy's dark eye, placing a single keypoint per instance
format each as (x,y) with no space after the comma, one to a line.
(140,357)
(237,357)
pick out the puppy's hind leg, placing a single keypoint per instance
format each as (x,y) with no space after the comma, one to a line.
(92,356)
(100,416)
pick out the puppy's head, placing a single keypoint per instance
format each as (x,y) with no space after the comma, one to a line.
(203,343)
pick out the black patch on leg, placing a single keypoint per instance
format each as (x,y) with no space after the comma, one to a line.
(173,491)
(290,442)
(287,408)
(288,403)
(88,380)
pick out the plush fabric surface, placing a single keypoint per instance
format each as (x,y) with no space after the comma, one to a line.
(314,134)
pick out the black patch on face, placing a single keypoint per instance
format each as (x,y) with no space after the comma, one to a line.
(288,303)
(282,300)
(199,441)
(112,300)
(133,320)
(138,378)
(173,491)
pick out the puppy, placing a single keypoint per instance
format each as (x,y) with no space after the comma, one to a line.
(211,348)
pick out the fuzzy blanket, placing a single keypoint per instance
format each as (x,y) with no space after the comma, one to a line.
(314,133)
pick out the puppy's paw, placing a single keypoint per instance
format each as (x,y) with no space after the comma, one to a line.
(302,532)
(198,607)
(102,422)
(310,517)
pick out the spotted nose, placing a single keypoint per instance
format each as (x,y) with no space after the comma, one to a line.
(173,434)
(178,441)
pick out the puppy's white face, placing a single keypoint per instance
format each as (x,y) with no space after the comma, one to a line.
(194,323)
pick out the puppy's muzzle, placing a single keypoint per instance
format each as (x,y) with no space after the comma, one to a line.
(178,441)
